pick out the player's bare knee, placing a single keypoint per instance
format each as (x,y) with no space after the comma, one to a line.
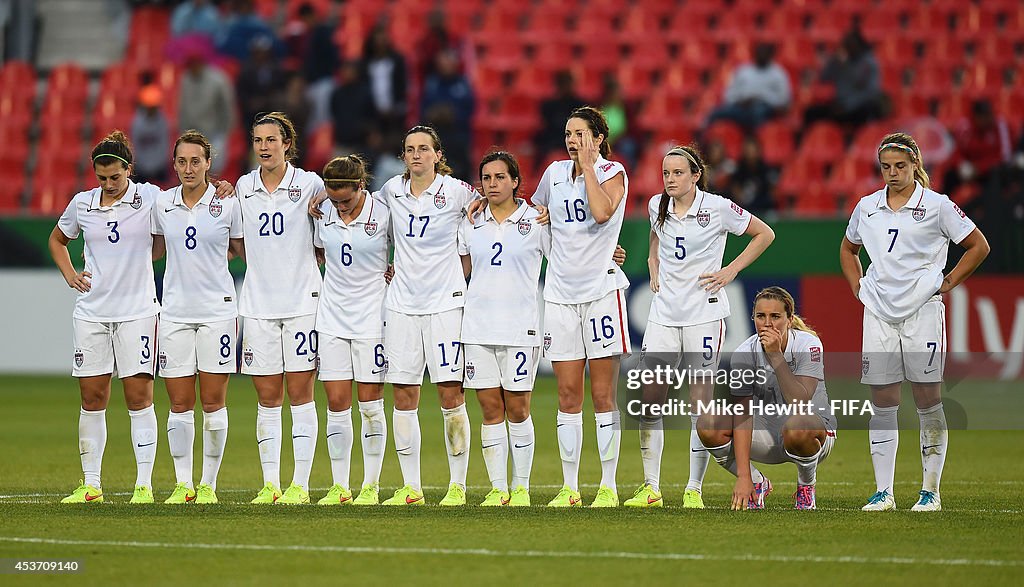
(714,430)
(407,397)
(517,406)
(451,395)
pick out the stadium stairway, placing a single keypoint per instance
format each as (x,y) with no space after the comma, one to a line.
(91,33)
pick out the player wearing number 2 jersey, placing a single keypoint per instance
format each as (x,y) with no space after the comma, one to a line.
(198,323)
(906,228)
(279,302)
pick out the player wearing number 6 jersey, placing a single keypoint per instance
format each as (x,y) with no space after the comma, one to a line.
(279,302)
(198,323)
(689,227)
(354,232)
(906,228)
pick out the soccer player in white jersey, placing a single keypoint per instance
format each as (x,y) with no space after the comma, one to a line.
(906,228)
(585,308)
(354,233)
(279,302)
(423,316)
(502,251)
(115,315)
(686,325)
(781,364)
(198,321)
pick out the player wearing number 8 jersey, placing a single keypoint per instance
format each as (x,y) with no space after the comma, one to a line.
(689,228)
(279,302)
(906,228)
(354,231)
(198,323)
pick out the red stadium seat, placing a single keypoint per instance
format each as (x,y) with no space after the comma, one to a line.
(51,197)
(650,54)
(660,109)
(933,79)
(638,25)
(15,73)
(851,179)
(777,143)
(865,143)
(537,82)
(545,23)
(822,143)
(553,55)
(981,79)
(501,52)
(908,103)
(634,81)
(953,107)
(801,184)
(69,79)
(729,133)
(320,147)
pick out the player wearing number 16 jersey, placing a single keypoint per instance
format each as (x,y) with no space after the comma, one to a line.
(906,228)
(279,302)
(354,232)
(198,323)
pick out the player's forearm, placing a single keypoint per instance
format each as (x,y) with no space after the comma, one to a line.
(849,262)
(791,388)
(62,259)
(742,438)
(599,200)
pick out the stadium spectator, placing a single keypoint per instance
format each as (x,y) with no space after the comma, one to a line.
(854,74)
(555,110)
(718,168)
(312,50)
(196,17)
(752,182)
(756,92)
(437,39)
(384,69)
(351,110)
(618,113)
(151,135)
(261,82)
(207,104)
(296,103)
(447,105)
(243,25)
(983,143)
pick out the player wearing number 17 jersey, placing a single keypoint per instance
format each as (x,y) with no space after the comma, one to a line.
(279,302)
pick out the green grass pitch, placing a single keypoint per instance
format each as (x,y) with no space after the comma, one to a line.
(977,539)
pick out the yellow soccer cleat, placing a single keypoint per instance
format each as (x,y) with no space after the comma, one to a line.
(520,497)
(205,494)
(645,497)
(84,494)
(268,495)
(294,495)
(368,495)
(405,496)
(142,494)
(496,497)
(692,500)
(456,496)
(337,495)
(605,498)
(182,494)
(566,498)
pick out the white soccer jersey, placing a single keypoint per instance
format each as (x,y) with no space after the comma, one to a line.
(805,355)
(501,305)
(352,301)
(282,279)
(580,266)
(689,245)
(118,253)
(428,274)
(198,287)
(907,248)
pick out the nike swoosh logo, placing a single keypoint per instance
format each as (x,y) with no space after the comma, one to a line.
(329,223)
(650,501)
(371,435)
(927,371)
(225,362)
(169,430)
(490,446)
(574,501)
(169,210)
(882,441)
(930,446)
(518,379)
(143,362)
(456,370)
(698,449)
(706,364)
(559,182)
(477,227)
(873,213)
(264,440)
(523,445)
(559,425)
(247,196)
(377,372)
(412,501)
(145,445)
(83,453)
(90,497)
(300,436)
(606,345)
(344,498)
(333,434)
(310,360)
(606,425)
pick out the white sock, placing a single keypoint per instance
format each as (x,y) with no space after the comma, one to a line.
(92,439)
(268,439)
(457,438)
(339,445)
(723,456)
(570,443)
(523,442)
(608,435)
(181,435)
(305,428)
(934,438)
(652,445)
(374,428)
(407,443)
(494,441)
(806,468)
(215,436)
(884,433)
(698,458)
(144,441)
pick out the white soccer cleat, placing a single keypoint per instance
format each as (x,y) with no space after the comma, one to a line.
(929,502)
(881,501)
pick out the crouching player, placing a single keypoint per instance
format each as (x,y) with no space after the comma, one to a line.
(785,359)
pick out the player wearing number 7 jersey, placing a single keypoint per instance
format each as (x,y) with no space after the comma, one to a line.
(906,228)
(279,302)
(354,231)
(198,323)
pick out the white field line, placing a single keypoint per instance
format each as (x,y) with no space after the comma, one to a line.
(663,556)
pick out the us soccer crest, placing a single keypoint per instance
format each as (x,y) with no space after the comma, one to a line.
(370,228)
(294,193)
(703,218)
(524,227)
(162,360)
(439,201)
(919,214)
(137,201)
(865,364)
(247,357)
(216,208)
(79,357)
(470,371)
(547,342)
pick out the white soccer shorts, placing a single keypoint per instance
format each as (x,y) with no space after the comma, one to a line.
(914,349)
(121,348)
(591,330)
(343,359)
(698,346)
(271,347)
(186,349)
(417,341)
(508,367)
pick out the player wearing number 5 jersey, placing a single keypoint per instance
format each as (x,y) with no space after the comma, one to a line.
(354,232)
(584,311)
(689,228)
(116,311)
(279,302)
(198,323)
(906,228)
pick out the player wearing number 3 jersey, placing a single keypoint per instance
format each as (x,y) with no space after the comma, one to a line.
(906,228)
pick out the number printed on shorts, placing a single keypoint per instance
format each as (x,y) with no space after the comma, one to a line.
(708,351)
(578,212)
(145,348)
(933,346)
(190,238)
(607,328)
(114,236)
(521,368)
(444,356)
(272,224)
(225,346)
(378,356)
(308,343)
